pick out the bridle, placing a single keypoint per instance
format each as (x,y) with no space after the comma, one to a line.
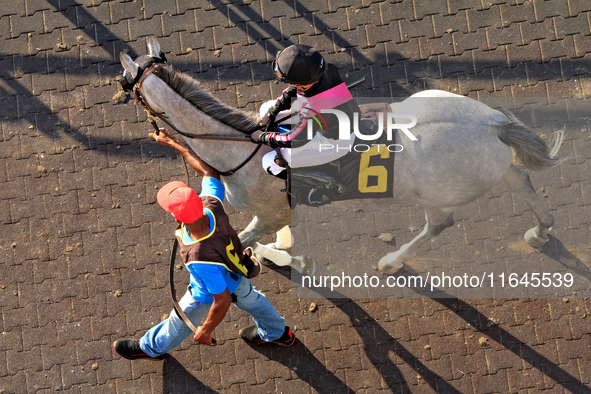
(136,86)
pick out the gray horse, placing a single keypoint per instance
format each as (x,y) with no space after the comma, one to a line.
(462,149)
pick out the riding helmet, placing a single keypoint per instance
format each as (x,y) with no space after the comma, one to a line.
(299,64)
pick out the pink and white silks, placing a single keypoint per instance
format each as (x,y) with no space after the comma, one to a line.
(310,154)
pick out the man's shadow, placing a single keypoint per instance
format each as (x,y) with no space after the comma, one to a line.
(306,366)
(298,358)
(176,379)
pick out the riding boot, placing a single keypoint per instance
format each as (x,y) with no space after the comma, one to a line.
(280,175)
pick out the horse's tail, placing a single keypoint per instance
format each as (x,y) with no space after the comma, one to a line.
(528,148)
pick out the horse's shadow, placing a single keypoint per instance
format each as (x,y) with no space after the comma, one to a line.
(556,250)
(481,322)
(380,343)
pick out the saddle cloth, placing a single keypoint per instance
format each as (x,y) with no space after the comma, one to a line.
(367,170)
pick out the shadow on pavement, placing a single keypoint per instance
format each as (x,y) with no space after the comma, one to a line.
(380,343)
(511,343)
(176,379)
(556,250)
(306,366)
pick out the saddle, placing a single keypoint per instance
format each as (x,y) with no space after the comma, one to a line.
(320,185)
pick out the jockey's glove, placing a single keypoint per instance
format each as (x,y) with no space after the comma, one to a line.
(260,137)
(268,122)
(263,137)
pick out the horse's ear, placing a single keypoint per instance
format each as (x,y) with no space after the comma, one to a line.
(153,47)
(128,64)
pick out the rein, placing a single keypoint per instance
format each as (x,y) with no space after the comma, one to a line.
(162,116)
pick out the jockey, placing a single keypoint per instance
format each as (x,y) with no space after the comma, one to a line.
(314,85)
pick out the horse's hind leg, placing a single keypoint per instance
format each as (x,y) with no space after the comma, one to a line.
(283,241)
(437,220)
(284,238)
(260,227)
(519,183)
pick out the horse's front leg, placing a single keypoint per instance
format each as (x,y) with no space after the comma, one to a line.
(437,221)
(259,228)
(284,239)
(305,265)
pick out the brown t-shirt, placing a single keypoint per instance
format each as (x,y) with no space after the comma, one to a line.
(221,245)
(211,259)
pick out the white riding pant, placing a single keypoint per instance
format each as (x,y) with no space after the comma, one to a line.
(320,150)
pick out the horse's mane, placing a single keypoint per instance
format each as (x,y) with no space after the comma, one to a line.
(192,91)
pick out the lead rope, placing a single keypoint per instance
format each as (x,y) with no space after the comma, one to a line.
(157,131)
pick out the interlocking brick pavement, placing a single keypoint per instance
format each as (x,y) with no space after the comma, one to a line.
(84,247)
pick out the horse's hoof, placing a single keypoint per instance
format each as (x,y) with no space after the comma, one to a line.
(266,262)
(389,269)
(309,266)
(305,265)
(534,240)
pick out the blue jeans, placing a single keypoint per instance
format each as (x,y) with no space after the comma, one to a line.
(171,332)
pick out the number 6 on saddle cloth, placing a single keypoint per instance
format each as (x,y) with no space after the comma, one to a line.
(365,172)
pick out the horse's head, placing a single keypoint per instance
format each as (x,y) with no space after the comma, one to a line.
(181,98)
(134,69)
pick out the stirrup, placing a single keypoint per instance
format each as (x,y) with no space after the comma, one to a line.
(313,183)
(327,195)
(316,203)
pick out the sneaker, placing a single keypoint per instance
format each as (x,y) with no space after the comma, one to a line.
(131,350)
(251,336)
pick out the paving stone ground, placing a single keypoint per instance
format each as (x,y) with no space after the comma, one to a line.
(84,246)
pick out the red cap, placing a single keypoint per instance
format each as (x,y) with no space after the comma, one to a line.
(181,201)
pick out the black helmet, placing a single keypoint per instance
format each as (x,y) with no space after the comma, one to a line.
(299,64)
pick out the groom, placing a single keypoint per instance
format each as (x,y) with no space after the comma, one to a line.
(208,245)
